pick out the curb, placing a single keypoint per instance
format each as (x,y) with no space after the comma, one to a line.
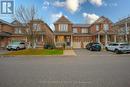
(2,56)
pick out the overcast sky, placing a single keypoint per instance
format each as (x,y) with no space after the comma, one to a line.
(78,11)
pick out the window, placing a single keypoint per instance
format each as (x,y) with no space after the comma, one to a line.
(115,44)
(75,30)
(63,27)
(106,27)
(36,27)
(97,27)
(18,31)
(84,30)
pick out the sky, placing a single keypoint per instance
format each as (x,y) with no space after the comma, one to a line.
(77,11)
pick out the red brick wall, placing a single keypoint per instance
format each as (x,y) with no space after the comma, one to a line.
(93,26)
(82,38)
(5,28)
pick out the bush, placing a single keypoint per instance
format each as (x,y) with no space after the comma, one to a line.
(49,46)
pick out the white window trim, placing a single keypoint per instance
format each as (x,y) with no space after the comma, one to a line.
(75,30)
(97,27)
(106,27)
(18,31)
(63,27)
(84,30)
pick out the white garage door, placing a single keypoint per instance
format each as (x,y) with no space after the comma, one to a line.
(76,44)
(79,44)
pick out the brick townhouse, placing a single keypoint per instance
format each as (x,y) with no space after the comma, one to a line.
(44,33)
(123,30)
(78,35)
(6,30)
(102,31)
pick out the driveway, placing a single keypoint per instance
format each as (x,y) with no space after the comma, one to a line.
(87,69)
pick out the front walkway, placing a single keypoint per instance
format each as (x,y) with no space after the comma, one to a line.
(69,53)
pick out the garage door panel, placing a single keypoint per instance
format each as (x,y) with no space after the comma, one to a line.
(76,44)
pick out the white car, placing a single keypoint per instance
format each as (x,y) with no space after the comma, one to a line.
(118,47)
(16,46)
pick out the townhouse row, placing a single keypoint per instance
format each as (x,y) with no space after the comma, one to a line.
(103,30)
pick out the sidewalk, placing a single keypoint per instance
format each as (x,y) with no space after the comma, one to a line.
(3,51)
(69,53)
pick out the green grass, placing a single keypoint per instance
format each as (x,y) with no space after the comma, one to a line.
(36,52)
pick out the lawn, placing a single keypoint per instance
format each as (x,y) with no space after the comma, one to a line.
(36,52)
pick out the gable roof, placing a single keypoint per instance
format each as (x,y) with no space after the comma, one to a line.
(63,19)
(123,21)
(5,22)
(101,20)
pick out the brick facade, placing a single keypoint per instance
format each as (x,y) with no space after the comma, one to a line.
(45,34)
(6,29)
(81,34)
(122,28)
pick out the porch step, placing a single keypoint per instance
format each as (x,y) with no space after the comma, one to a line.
(68,48)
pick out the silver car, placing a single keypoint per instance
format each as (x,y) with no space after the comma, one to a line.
(16,46)
(118,47)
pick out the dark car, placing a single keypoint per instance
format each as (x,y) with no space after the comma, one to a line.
(93,46)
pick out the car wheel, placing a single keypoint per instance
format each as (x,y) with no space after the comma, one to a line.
(91,49)
(106,49)
(17,48)
(9,49)
(99,49)
(116,51)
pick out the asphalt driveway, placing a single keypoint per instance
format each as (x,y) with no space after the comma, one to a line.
(87,69)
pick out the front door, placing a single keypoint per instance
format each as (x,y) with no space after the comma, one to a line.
(68,40)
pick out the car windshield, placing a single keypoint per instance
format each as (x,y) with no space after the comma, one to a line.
(124,44)
(15,43)
(96,43)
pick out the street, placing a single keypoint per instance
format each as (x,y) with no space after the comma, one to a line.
(87,69)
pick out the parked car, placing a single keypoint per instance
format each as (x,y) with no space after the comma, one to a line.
(93,46)
(48,46)
(118,47)
(16,46)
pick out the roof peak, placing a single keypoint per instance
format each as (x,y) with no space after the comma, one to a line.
(63,19)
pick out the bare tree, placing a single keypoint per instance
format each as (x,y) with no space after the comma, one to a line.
(27,16)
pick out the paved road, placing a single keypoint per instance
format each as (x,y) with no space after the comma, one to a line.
(3,51)
(88,69)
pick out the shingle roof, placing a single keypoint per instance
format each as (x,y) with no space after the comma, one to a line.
(63,19)
(102,19)
(5,22)
(17,23)
(123,21)
(81,25)
(5,34)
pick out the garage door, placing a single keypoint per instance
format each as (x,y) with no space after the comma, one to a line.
(79,44)
(76,44)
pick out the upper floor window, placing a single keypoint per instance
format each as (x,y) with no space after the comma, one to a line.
(97,27)
(18,31)
(36,27)
(105,27)
(75,30)
(84,30)
(63,27)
